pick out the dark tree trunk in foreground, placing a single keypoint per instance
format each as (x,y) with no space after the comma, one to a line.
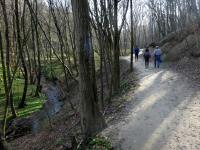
(8,83)
(116,52)
(2,143)
(2,133)
(92,120)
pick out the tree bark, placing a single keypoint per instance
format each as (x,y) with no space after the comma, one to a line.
(131,16)
(8,49)
(3,144)
(116,50)
(2,134)
(21,53)
(61,41)
(92,120)
(38,88)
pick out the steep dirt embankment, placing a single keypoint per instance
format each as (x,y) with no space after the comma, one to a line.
(182,50)
(41,119)
(183,43)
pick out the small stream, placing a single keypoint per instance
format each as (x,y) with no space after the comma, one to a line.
(41,119)
(53,105)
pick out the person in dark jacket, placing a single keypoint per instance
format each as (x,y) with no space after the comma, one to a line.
(136,51)
(147,57)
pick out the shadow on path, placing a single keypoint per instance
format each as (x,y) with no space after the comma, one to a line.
(160,104)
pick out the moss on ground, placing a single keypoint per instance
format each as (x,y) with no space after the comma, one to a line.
(33,103)
(100,143)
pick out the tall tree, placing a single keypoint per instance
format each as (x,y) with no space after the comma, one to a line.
(131,16)
(2,131)
(21,53)
(38,88)
(92,120)
(61,40)
(8,50)
(116,46)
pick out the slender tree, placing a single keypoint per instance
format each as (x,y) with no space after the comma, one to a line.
(116,44)
(3,130)
(21,53)
(38,47)
(8,50)
(131,16)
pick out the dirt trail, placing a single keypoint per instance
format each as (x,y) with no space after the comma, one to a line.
(165,114)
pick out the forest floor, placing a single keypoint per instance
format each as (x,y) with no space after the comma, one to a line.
(59,131)
(155,109)
(34,103)
(164,113)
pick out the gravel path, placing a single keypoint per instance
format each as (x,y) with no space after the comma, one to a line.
(165,114)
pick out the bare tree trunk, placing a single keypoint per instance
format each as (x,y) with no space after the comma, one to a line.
(21,53)
(116,47)
(2,134)
(72,40)
(8,49)
(116,50)
(50,49)
(3,144)
(101,71)
(60,37)
(92,120)
(131,16)
(30,66)
(38,88)
(34,62)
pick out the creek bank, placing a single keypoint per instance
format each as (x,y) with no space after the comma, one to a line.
(66,124)
(41,119)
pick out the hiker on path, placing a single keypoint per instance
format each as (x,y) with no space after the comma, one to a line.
(136,51)
(157,57)
(147,57)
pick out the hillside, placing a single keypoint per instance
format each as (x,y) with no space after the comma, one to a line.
(183,43)
(181,49)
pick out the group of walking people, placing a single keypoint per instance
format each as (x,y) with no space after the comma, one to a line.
(157,53)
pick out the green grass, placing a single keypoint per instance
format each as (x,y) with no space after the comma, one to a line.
(100,143)
(58,68)
(33,103)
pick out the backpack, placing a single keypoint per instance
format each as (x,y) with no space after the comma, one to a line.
(147,55)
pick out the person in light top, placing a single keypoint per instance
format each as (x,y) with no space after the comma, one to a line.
(157,57)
